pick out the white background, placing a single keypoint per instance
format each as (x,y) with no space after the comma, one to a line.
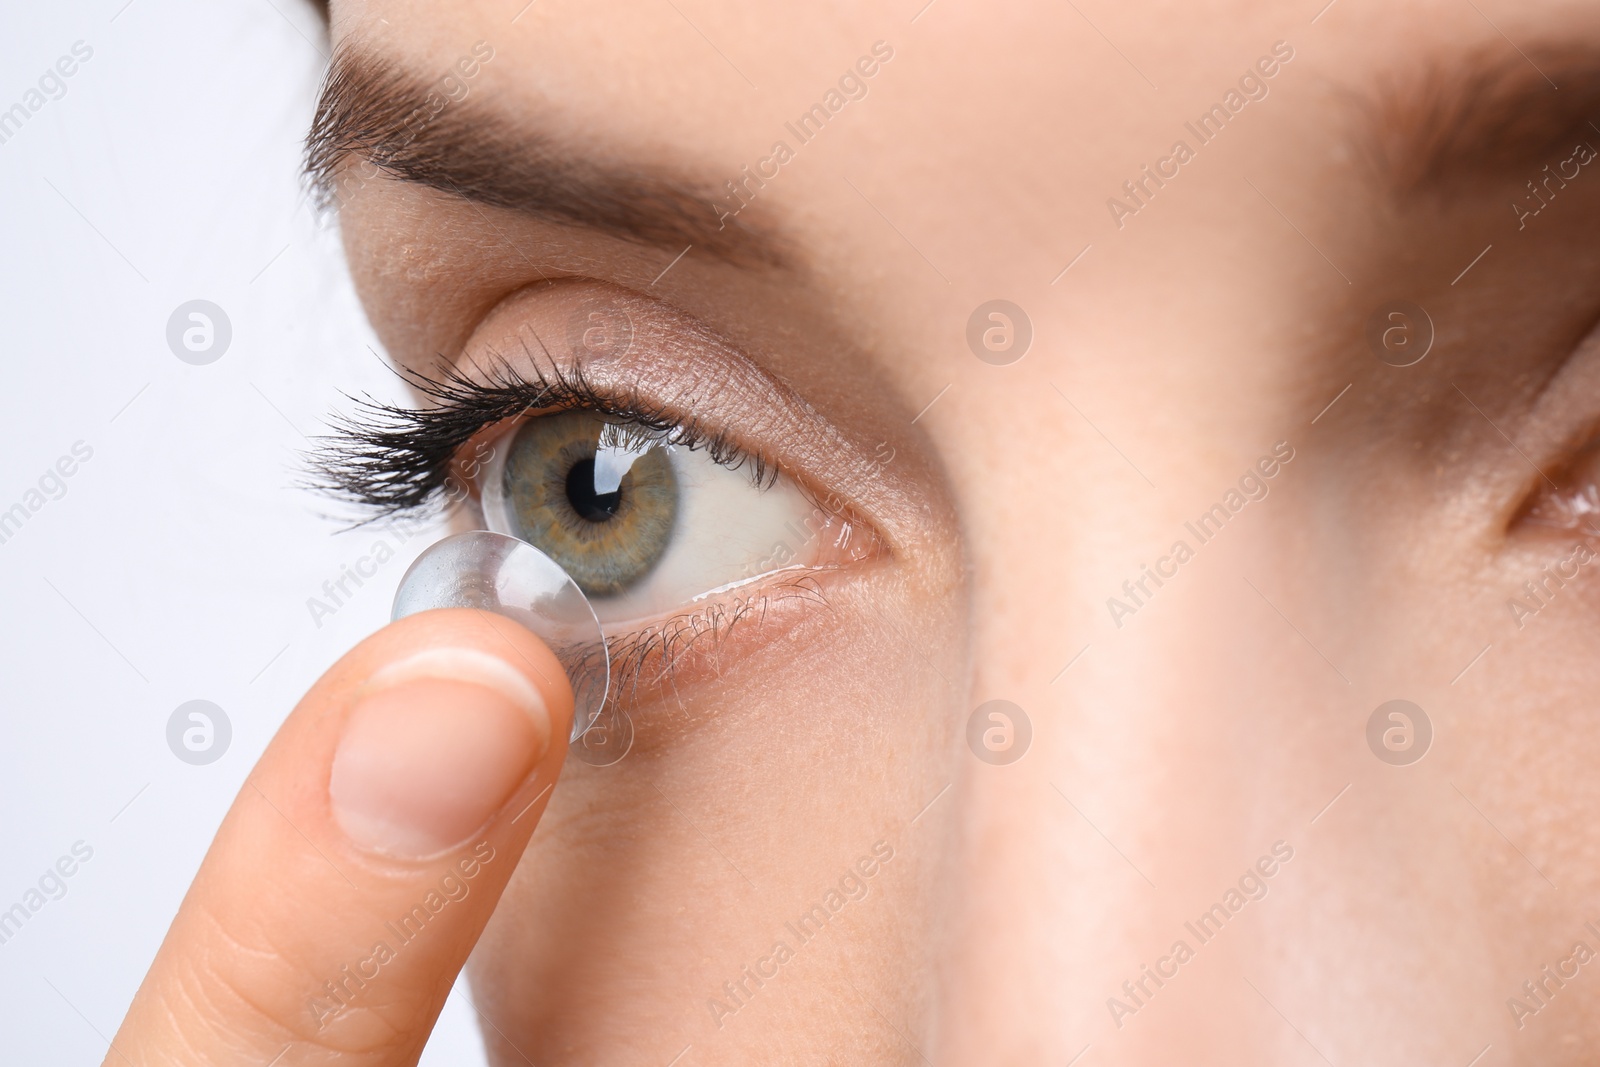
(178,564)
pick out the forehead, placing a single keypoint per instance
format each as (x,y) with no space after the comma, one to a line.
(992,147)
(677,64)
(1007,113)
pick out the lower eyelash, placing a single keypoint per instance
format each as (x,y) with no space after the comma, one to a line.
(653,655)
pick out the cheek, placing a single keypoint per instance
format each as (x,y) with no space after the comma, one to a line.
(747,796)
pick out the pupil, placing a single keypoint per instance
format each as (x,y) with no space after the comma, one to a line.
(590,505)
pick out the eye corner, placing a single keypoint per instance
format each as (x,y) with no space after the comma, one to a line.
(1563,498)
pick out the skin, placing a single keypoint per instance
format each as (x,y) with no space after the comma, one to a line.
(1170,753)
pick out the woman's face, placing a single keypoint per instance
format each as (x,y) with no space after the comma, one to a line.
(1290,404)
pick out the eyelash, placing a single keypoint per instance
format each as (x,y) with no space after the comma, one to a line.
(667,643)
(389,460)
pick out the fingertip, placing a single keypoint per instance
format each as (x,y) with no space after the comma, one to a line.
(457,710)
(424,762)
(474,646)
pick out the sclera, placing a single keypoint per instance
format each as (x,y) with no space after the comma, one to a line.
(495,572)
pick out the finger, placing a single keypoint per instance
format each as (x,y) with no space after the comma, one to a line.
(362,858)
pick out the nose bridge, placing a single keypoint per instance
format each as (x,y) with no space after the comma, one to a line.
(1111,609)
(1148,790)
(1198,823)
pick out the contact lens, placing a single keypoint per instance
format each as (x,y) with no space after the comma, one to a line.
(494,572)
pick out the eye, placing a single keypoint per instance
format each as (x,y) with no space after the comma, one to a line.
(645,522)
(655,490)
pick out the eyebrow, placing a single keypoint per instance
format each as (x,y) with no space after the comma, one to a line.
(1488,115)
(413,131)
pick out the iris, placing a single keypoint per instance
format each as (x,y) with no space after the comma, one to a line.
(597,496)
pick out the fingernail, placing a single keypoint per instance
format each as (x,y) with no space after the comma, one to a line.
(436,744)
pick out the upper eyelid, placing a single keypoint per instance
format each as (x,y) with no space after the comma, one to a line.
(685,366)
(1560,419)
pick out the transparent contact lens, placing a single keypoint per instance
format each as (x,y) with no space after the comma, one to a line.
(497,573)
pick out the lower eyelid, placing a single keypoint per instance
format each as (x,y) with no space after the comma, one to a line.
(672,654)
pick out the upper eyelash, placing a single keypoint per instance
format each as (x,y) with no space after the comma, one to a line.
(390,460)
